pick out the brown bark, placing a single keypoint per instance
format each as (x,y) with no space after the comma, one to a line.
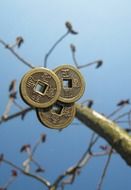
(118,138)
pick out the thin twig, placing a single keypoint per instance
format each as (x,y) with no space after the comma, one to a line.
(8,107)
(102,153)
(35,147)
(16,54)
(99,187)
(36,163)
(38,178)
(26,110)
(68,181)
(115,111)
(9,182)
(72,171)
(53,47)
(17,105)
(38,142)
(129,119)
(88,64)
(122,121)
(98,63)
(12,96)
(121,116)
(92,142)
(74,59)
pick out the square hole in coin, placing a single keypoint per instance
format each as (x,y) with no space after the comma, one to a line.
(57,108)
(67,83)
(41,88)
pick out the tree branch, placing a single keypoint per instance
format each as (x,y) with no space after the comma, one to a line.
(105,170)
(20,113)
(118,138)
(53,47)
(38,178)
(16,54)
(110,131)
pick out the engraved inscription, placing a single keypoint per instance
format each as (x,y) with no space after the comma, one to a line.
(30,82)
(54,118)
(72,83)
(51,92)
(68,93)
(76,83)
(65,73)
(58,116)
(45,77)
(36,98)
(40,87)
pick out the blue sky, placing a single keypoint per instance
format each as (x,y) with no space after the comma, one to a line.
(104,33)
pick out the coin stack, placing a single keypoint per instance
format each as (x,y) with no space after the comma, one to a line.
(53,94)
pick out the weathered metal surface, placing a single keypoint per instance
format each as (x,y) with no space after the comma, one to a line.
(72,83)
(40,87)
(57,116)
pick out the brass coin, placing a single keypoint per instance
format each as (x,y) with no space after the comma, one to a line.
(72,83)
(57,116)
(40,87)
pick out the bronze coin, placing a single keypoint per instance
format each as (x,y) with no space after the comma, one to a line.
(57,116)
(72,83)
(40,87)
